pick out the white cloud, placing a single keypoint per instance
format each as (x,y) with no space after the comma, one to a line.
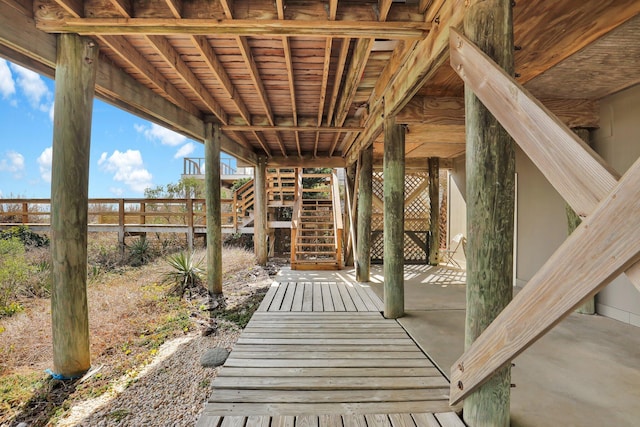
(116,191)
(44,162)
(7,85)
(51,112)
(127,168)
(185,150)
(33,86)
(13,162)
(160,134)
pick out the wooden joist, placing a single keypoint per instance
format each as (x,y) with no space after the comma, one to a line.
(234,27)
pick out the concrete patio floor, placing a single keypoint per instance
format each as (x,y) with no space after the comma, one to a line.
(584,372)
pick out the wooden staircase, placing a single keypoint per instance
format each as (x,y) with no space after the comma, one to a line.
(316,228)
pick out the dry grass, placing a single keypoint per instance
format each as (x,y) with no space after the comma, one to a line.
(130,316)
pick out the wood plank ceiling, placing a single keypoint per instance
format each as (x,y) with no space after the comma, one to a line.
(299,80)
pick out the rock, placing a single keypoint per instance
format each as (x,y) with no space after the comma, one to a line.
(214,357)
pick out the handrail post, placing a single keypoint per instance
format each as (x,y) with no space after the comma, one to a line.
(337,217)
(190,230)
(25,212)
(121,226)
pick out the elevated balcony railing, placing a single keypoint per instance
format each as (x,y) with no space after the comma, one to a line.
(195,166)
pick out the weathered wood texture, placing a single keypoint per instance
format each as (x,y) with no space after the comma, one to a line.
(213,207)
(327,368)
(434,210)
(490,166)
(260,212)
(605,244)
(580,176)
(351,222)
(364,195)
(393,219)
(320,296)
(75,81)
(573,221)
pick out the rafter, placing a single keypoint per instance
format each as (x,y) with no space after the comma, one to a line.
(218,70)
(399,30)
(263,143)
(121,47)
(123,7)
(164,48)
(286,123)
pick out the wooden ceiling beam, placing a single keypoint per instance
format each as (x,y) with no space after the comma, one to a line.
(396,30)
(302,122)
(263,143)
(306,162)
(218,70)
(286,47)
(121,47)
(419,66)
(123,7)
(245,50)
(443,111)
(164,48)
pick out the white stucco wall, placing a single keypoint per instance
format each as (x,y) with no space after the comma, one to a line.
(618,142)
(541,224)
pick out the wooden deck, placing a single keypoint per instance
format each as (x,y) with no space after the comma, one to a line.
(319,354)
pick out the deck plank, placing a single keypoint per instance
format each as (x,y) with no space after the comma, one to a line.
(338,304)
(287,300)
(425,420)
(320,354)
(401,420)
(266,301)
(320,383)
(296,306)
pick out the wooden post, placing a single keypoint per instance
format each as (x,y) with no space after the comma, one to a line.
(189,218)
(76,64)
(260,211)
(212,202)
(434,210)
(490,209)
(121,222)
(363,223)
(573,221)
(393,173)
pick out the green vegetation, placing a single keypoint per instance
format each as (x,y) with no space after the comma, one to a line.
(139,252)
(186,272)
(14,271)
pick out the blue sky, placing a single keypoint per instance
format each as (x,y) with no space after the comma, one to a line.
(128,154)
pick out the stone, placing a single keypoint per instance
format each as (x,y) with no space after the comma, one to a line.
(214,357)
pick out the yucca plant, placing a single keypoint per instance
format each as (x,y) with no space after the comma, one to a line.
(187,272)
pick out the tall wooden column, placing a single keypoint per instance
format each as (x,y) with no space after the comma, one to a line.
(490,210)
(260,211)
(212,200)
(434,210)
(573,221)
(393,173)
(365,198)
(76,65)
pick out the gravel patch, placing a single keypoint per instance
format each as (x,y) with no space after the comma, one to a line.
(170,392)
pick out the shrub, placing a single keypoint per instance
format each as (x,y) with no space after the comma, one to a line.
(25,235)
(14,271)
(139,253)
(186,273)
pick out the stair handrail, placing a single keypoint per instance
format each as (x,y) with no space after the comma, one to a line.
(337,216)
(296,214)
(241,194)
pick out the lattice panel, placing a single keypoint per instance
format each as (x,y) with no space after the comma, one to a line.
(416,212)
(414,253)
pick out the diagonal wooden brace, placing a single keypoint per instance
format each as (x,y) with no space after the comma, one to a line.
(606,244)
(577,173)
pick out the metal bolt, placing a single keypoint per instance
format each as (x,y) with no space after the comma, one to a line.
(437,20)
(516,75)
(461,367)
(460,385)
(513,385)
(517,47)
